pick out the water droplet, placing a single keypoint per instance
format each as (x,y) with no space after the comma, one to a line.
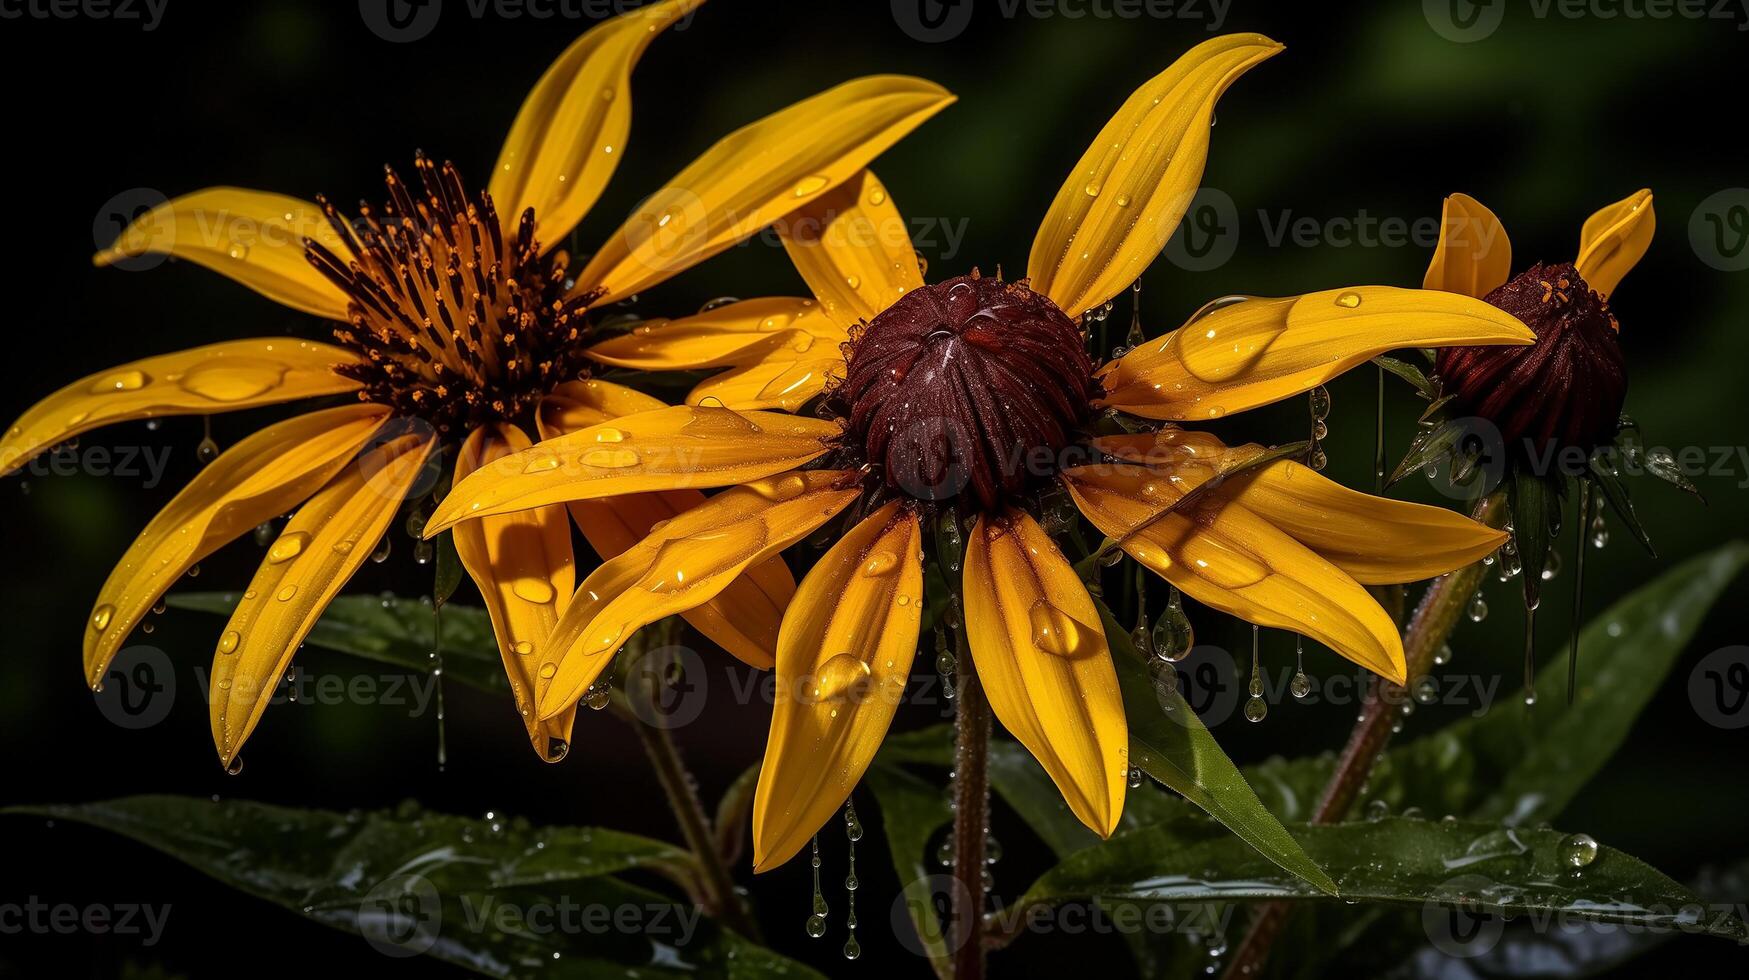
(238,251)
(542,464)
(1053,630)
(207,451)
(286,594)
(1135,777)
(1478,608)
(381,554)
(597,695)
(548,669)
(101,616)
(119,381)
(880,563)
(289,546)
(1172,636)
(523,647)
(1256,709)
(610,459)
(811,185)
(839,677)
(1301,685)
(230,641)
(535,590)
(1348,300)
(1578,850)
(609,434)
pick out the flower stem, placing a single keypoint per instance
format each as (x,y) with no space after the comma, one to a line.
(971,817)
(1428,629)
(718,895)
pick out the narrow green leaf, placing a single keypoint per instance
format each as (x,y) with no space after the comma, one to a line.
(1614,491)
(449,570)
(499,898)
(392,631)
(912,811)
(1169,742)
(1410,373)
(1534,506)
(1396,861)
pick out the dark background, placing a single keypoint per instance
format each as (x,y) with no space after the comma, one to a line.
(1370,111)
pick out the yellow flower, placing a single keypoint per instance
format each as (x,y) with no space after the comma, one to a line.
(453,327)
(979,395)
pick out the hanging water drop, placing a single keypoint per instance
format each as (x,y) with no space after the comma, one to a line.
(817,919)
(853,831)
(1255,708)
(263,534)
(1587,508)
(1529,654)
(1478,607)
(1599,529)
(1172,637)
(1301,686)
(381,554)
(1578,850)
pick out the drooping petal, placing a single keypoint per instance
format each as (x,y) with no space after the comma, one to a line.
(1376,540)
(571,131)
(757,174)
(853,249)
(737,333)
(254,481)
(1040,651)
(842,663)
(253,237)
(1613,240)
(744,618)
(1263,350)
(1474,255)
(320,548)
(1130,189)
(220,377)
(679,566)
(523,566)
(668,449)
(1224,555)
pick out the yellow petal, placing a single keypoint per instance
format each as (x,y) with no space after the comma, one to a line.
(1613,240)
(1133,185)
(668,449)
(1474,255)
(679,566)
(744,618)
(253,237)
(853,249)
(842,663)
(737,333)
(320,548)
(757,174)
(1263,350)
(571,130)
(222,377)
(1225,556)
(1039,649)
(1376,540)
(256,480)
(777,382)
(523,566)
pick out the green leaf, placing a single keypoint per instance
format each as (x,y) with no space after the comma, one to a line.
(449,570)
(1396,861)
(1614,491)
(1535,504)
(393,631)
(1410,373)
(1169,742)
(912,811)
(499,898)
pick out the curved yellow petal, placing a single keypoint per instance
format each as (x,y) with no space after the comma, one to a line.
(781,380)
(744,618)
(1225,556)
(1376,540)
(842,663)
(571,130)
(757,174)
(253,237)
(680,565)
(668,449)
(1614,239)
(1039,649)
(1263,350)
(853,249)
(1474,255)
(1124,198)
(525,571)
(256,480)
(221,377)
(736,333)
(320,548)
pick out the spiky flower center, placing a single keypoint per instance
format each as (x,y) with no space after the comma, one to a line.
(1565,390)
(969,386)
(454,324)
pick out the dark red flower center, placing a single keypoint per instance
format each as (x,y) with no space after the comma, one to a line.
(970,385)
(456,324)
(1565,390)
